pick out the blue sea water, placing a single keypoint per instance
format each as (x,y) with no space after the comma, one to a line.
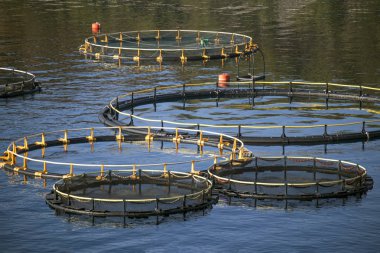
(302,40)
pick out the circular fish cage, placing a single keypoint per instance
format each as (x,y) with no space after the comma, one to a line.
(126,194)
(168,45)
(256,128)
(17,157)
(15,82)
(291,178)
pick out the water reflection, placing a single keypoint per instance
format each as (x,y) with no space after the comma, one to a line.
(302,40)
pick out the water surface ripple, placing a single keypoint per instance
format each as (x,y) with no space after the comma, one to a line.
(335,41)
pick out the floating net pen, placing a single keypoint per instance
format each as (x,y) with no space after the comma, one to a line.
(128,194)
(121,110)
(291,178)
(15,82)
(16,158)
(168,45)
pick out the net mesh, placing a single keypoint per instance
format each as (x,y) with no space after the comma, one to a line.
(135,108)
(290,178)
(133,193)
(27,155)
(163,45)
(14,81)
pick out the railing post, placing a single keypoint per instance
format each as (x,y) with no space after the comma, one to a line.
(285,176)
(256,168)
(283,135)
(340,170)
(317,185)
(363,128)
(124,209)
(155,94)
(132,103)
(286,189)
(169,181)
(184,202)
(285,168)
(253,67)
(140,181)
(157,207)
(325,134)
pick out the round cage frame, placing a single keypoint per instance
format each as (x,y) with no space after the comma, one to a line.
(70,195)
(344,178)
(185,45)
(17,82)
(112,113)
(227,148)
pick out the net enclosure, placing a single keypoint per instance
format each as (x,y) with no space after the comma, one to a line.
(15,82)
(131,193)
(287,178)
(357,106)
(17,157)
(168,45)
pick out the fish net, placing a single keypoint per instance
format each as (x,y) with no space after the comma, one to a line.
(300,178)
(63,153)
(131,193)
(15,82)
(163,45)
(241,109)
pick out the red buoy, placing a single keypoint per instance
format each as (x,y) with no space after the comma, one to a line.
(223,80)
(95,27)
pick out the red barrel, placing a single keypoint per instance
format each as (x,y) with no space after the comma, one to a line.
(223,80)
(95,27)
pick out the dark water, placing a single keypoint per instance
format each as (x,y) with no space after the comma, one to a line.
(335,41)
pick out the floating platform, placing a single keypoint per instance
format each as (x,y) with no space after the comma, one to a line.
(17,156)
(120,111)
(127,194)
(291,178)
(15,82)
(168,45)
